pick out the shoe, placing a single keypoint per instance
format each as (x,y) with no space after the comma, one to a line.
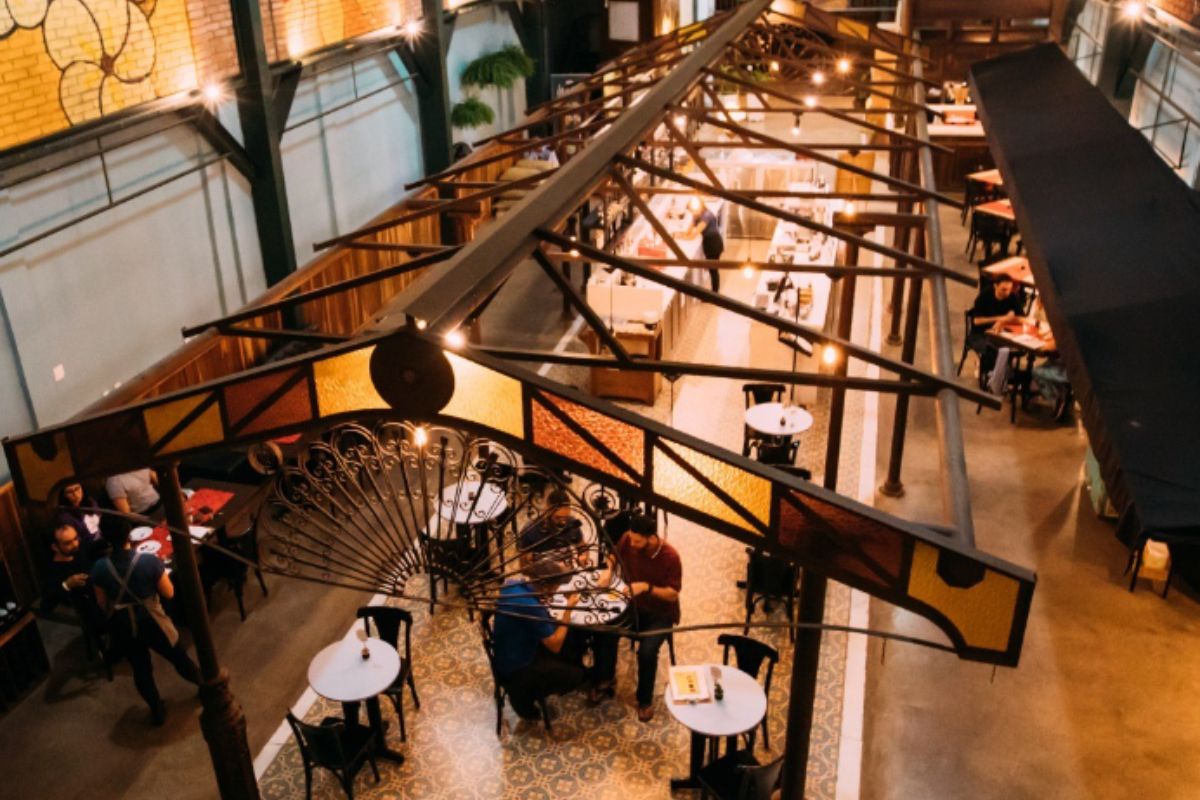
(158,714)
(645,713)
(598,694)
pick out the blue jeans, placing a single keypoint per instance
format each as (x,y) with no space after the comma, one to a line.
(605,650)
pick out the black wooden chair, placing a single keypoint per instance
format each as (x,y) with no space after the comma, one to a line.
(770,579)
(230,568)
(749,657)
(333,745)
(993,233)
(739,776)
(777,452)
(757,394)
(499,691)
(389,623)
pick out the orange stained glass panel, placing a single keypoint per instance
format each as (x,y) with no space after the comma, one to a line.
(486,397)
(983,613)
(41,474)
(206,428)
(625,441)
(673,482)
(269,401)
(344,383)
(839,542)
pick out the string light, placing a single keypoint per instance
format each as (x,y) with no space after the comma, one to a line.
(213,94)
(421,324)
(1132,10)
(412,29)
(818,78)
(843,65)
(774,66)
(420,436)
(850,210)
(796,126)
(455,339)
(680,120)
(829,355)
(810,101)
(748,270)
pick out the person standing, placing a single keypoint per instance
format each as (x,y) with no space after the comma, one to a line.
(654,573)
(130,587)
(706,226)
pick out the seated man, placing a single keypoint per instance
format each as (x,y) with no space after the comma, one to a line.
(994,305)
(555,529)
(654,572)
(67,573)
(133,492)
(527,645)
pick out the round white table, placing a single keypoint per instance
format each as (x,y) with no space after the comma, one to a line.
(340,673)
(775,419)
(742,708)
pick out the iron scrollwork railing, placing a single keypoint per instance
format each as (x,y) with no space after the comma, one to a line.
(372,508)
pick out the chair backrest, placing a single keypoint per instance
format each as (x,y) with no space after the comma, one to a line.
(489,643)
(757,393)
(749,654)
(769,575)
(389,622)
(319,744)
(758,783)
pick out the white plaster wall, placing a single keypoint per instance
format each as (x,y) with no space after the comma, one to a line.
(477,32)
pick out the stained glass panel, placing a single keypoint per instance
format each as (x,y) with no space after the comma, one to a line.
(983,613)
(344,383)
(624,440)
(40,474)
(839,542)
(270,401)
(674,482)
(485,397)
(205,429)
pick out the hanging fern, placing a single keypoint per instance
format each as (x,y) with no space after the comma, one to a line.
(472,113)
(502,68)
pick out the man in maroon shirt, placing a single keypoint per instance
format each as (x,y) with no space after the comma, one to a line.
(654,574)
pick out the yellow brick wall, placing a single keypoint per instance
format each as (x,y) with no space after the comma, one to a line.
(63,62)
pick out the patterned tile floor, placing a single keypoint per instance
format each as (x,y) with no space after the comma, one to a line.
(452,750)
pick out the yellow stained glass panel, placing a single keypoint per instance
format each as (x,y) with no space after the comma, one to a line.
(204,429)
(852,28)
(41,475)
(486,397)
(673,482)
(344,383)
(983,613)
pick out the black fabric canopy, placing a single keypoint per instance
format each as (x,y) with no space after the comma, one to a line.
(1114,243)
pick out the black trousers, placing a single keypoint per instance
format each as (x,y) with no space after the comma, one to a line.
(605,649)
(137,647)
(713,248)
(545,675)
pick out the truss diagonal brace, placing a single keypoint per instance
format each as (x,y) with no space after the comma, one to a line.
(593,320)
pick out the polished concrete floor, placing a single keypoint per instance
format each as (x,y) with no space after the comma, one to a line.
(1102,704)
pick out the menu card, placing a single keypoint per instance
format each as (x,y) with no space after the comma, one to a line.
(690,685)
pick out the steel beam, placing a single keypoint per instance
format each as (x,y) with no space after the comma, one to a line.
(448,293)
(262,133)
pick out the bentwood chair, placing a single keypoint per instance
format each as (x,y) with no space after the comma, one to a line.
(499,691)
(757,394)
(775,452)
(342,749)
(749,657)
(389,624)
(770,579)
(739,776)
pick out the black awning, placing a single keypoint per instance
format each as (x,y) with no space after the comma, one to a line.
(1114,243)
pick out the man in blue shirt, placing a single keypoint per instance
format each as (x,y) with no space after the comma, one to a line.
(527,640)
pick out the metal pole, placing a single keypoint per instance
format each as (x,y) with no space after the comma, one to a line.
(893,486)
(906,167)
(221,717)
(806,657)
(956,491)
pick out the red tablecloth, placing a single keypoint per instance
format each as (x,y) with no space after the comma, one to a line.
(213,499)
